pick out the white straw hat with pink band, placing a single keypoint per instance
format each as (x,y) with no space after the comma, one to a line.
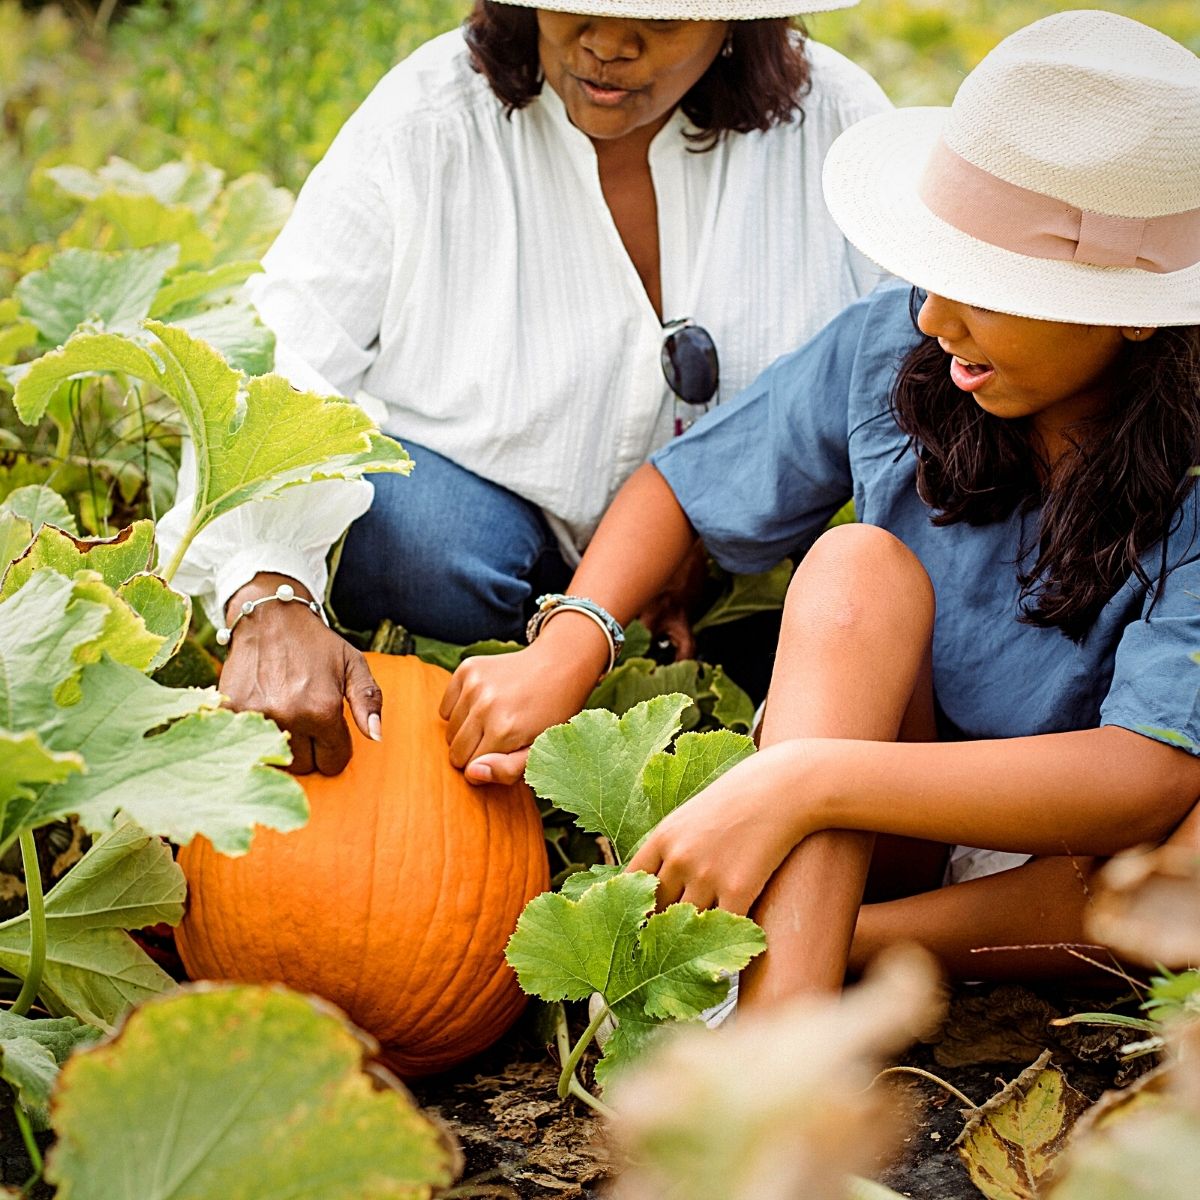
(1063,183)
(686,10)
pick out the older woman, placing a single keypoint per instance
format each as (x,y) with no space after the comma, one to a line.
(493,257)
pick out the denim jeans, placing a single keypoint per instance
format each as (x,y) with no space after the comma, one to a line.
(447,555)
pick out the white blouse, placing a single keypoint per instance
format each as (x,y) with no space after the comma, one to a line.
(459,273)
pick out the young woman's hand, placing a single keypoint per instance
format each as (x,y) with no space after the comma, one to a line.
(285,663)
(495,705)
(720,848)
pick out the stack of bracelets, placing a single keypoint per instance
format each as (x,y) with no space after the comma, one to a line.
(550,604)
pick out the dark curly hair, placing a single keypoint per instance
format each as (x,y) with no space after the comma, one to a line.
(1107,503)
(759,85)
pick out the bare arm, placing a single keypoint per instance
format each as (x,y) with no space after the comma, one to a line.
(495,706)
(1093,792)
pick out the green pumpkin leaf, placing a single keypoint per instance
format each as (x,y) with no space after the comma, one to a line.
(204,770)
(15,535)
(613,774)
(1010,1143)
(672,965)
(190,286)
(235,330)
(77,286)
(635,680)
(127,880)
(193,184)
(733,707)
(30,1069)
(575,885)
(14,338)
(747,595)
(115,559)
(43,629)
(592,767)
(39,505)
(567,949)
(145,221)
(243,1093)
(31,1052)
(252,438)
(26,762)
(166,612)
(698,759)
(249,213)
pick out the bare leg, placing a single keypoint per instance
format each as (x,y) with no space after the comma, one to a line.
(1040,904)
(854,662)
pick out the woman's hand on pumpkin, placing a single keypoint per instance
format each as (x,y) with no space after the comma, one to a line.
(495,705)
(720,848)
(285,663)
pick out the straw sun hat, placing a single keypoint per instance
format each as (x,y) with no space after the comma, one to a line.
(687,10)
(1063,184)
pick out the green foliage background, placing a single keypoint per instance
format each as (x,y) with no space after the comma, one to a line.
(263,85)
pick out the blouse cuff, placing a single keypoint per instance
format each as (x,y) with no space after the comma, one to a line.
(276,558)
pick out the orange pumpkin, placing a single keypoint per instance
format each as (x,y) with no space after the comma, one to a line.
(397,898)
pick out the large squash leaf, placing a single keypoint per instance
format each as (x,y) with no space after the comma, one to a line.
(31,1052)
(170,757)
(39,505)
(26,764)
(649,969)
(253,438)
(113,289)
(242,1093)
(127,880)
(613,774)
(115,558)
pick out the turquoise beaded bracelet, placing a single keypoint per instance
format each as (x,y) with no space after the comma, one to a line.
(557,602)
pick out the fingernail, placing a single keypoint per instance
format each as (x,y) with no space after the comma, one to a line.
(482,772)
(375,727)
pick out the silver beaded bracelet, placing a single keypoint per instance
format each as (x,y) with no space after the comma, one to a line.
(284,592)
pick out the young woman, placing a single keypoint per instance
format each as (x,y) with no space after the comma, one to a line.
(491,258)
(999,656)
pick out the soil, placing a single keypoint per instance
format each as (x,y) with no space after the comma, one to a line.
(521,1143)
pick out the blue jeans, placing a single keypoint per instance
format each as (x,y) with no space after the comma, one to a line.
(447,555)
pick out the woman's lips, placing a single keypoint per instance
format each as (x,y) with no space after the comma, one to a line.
(605,95)
(968,375)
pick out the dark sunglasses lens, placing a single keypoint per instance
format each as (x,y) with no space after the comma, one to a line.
(689,361)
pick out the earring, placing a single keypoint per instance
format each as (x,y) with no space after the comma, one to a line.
(727,49)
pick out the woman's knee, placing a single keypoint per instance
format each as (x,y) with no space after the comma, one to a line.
(861,574)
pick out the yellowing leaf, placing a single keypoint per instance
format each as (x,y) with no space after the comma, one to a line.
(1011,1142)
(115,559)
(241,1093)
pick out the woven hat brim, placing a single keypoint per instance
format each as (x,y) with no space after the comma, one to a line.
(871,178)
(687,10)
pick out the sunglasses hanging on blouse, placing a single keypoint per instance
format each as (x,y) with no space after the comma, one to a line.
(690,366)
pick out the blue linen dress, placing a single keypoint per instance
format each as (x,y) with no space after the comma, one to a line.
(761,476)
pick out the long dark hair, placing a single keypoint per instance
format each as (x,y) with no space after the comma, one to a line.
(760,84)
(1111,500)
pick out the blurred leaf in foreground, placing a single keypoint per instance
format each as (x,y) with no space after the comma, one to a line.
(777,1105)
(240,1093)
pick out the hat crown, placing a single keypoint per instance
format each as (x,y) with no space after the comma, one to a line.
(1108,118)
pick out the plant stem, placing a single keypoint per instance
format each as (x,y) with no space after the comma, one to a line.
(185,542)
(571,1059)
(576,1089)
(37,925)
(31,1146)
(926,1075)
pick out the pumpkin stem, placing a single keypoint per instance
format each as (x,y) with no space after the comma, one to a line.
(37,925)
(571,1057)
